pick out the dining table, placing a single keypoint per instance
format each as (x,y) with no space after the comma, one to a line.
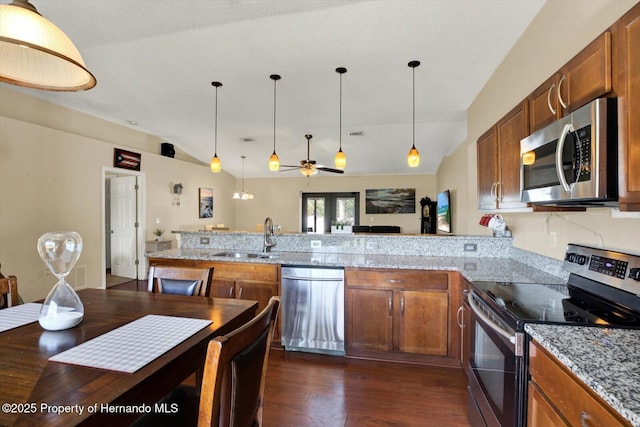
(37,391)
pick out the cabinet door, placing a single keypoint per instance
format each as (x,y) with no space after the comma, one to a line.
(588,75)
(540,413)
(256,290)
(370,319)
(511,129)
(422,322)
(628,62)
(544,107)
(488,170)
(222,288)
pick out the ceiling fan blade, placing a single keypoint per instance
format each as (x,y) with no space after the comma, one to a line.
(322,168)
(290,166)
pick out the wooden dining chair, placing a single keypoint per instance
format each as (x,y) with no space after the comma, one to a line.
(8,291)
(232,391)
(189,281)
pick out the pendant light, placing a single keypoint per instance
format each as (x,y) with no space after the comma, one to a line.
(413,158)
(37,54)
(244,195)
(340,160)
(216,166)
(274,161)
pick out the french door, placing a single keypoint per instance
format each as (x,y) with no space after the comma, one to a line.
(320,210)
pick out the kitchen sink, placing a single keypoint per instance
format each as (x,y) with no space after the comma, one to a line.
(241,255)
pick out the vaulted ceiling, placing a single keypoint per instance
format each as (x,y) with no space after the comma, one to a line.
(154,61)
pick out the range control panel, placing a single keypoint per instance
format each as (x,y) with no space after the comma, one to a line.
(618,269)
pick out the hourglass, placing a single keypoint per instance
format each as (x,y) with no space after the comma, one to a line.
(62,309)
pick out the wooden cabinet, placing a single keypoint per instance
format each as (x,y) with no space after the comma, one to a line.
(584,78)
(627,82)
(397,312)
(556,397)
(499,161)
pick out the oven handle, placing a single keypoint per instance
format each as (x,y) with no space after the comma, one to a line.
(489,322)
(559,167)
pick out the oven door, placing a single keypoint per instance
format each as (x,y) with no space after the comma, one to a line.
(494,383)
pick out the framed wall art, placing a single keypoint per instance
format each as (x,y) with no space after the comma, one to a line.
(126,159)
(391,201)
(205,203)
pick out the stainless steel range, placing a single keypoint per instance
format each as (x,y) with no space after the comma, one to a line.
(602,289)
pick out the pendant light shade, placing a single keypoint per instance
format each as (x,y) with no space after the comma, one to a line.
(244,195)
(340,160)
(216,165)
(413,158)
(35,53)
(274,160)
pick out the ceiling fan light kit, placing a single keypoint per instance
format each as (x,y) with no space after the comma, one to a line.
(413,158)
(216,165)
(274,160)
(340,160)
(37,54)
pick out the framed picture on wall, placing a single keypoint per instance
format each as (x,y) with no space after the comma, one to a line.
(391,201)
(126,159)
(205,204)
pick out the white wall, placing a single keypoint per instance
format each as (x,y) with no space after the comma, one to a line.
(51,179)
(280,198)
(561,30)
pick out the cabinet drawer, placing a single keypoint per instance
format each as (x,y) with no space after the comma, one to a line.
(243,271)
(575,402)
(397,279)
(173,262)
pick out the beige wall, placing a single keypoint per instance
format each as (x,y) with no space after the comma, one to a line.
(561,29)
(280,198)
(51,179)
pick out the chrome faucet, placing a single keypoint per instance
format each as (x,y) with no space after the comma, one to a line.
(268,232)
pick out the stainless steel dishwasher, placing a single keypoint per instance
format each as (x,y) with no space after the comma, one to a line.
(313,309)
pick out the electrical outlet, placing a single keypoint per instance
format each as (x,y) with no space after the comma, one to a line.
(470,247)
(204,240)
(371,245)
(316,244)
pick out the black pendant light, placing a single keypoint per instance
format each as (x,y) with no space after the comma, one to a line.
(340,159)
(274,160)
(413,158)
(216,166)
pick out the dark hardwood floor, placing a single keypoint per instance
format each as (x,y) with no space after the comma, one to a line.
(311,390)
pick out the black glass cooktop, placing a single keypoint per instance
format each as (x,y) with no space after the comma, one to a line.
(531,302)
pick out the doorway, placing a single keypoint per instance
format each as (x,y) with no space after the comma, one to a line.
(123,226)
(320,210)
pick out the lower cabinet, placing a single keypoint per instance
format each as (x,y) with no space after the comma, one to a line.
(391,313)
(557,398)
(257,282)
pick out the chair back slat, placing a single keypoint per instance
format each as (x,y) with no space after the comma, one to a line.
(180,280)
(9,291)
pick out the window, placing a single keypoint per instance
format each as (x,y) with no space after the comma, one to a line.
(319,210)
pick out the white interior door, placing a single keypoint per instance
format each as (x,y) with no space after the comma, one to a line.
(124,195)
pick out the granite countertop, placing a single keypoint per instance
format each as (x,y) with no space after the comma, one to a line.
(604,359)
(472,268)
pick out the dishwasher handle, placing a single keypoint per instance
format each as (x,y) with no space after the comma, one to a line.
(314,279)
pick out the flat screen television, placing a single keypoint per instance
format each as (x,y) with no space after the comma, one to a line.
(443,212)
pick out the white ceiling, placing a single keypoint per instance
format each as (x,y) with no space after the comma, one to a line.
(155,60)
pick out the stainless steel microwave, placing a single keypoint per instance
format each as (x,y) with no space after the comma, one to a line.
(573,161)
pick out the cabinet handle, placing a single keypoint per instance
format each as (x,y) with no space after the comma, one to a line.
(395,281)
(402,306)
(494,192)
(466,292)
(230,291)
(584,419)
(549,99)
(559,94)
(460,324)
(390,306)
(240,292)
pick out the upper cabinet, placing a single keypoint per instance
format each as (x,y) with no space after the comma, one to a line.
(586,77)
(499,161)
(627,86)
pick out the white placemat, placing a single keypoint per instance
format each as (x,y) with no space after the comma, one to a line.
(19,315)
(132,346)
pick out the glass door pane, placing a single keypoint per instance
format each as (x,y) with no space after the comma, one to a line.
(345,210)
(315,215)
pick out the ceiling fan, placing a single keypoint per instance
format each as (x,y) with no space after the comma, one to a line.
(308,167)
